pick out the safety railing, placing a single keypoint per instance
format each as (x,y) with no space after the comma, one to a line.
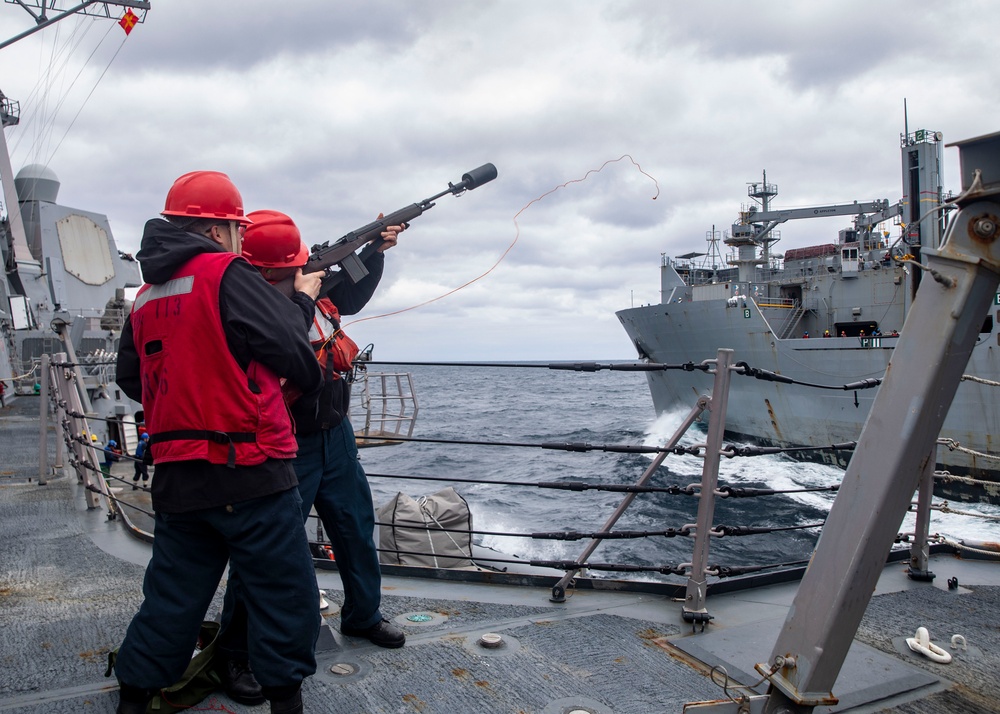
(384,406)
(66,383)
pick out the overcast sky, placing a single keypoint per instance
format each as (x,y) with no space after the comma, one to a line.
(334,110)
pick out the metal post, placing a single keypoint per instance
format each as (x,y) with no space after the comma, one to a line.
(87,455)
(920,548)
(697,586)
(559,589)
(43,432)
(69,424)
(906,417)
(85,406)
(60,417)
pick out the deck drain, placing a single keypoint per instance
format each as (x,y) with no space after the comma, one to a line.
(576,705)
(424,618)
(491,644)
(492,640)
(341,669)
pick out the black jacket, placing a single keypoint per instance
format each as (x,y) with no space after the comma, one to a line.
(335,399)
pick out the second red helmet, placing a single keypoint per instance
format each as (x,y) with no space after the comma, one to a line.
(273,241)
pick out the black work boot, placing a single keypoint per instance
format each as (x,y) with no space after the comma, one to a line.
(383,633)
(240,684)
(127,707)
(132,700)
(291,705)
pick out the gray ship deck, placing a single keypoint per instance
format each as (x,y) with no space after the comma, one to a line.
(70,581)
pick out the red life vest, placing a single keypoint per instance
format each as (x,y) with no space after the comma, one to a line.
(334,349)
(198,401)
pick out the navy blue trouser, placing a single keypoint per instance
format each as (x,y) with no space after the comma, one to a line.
(264,543)
(331,479)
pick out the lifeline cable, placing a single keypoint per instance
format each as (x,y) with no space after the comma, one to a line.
(577,446)
(693,489)
(673,490)
(517,235)
(572,565)
(567,366)
(744,369)
(686,531)
(731,450)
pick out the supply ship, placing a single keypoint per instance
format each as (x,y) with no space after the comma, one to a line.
(828,314)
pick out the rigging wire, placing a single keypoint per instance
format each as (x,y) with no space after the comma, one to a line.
(45,87)
(41,91)
(85,101)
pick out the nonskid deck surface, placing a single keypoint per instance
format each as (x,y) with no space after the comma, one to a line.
(70,582)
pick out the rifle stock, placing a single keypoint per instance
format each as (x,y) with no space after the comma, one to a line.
(342,252)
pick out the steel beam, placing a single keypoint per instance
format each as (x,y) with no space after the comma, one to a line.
(933,350)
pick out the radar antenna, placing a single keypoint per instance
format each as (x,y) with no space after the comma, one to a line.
(713,259)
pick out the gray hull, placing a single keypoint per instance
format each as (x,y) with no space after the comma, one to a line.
(793,415)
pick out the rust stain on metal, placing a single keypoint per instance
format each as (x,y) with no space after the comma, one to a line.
(651,636)
(774,420)
(680,655)
(414,701)
(93,656)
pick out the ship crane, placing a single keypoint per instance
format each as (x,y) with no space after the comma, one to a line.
(773,218)
(868,213)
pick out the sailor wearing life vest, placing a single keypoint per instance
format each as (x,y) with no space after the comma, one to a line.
(205,347)
(330,476)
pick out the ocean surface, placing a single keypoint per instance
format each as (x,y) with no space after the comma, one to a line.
(533,405)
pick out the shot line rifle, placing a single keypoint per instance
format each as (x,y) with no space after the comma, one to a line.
(342,252)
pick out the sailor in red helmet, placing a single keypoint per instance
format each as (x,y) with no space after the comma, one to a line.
(205,348)
(330,475)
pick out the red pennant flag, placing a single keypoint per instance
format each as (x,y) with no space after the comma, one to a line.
(128,21)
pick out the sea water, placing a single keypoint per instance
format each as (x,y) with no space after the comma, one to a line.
(533,405)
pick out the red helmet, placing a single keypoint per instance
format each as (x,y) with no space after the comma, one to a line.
(205,194)
(273,241)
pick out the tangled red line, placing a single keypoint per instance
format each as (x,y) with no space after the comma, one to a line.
(517,235)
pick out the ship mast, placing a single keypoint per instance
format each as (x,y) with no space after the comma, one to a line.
(10,115)
(713,258)
(746,238)
(763,193)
